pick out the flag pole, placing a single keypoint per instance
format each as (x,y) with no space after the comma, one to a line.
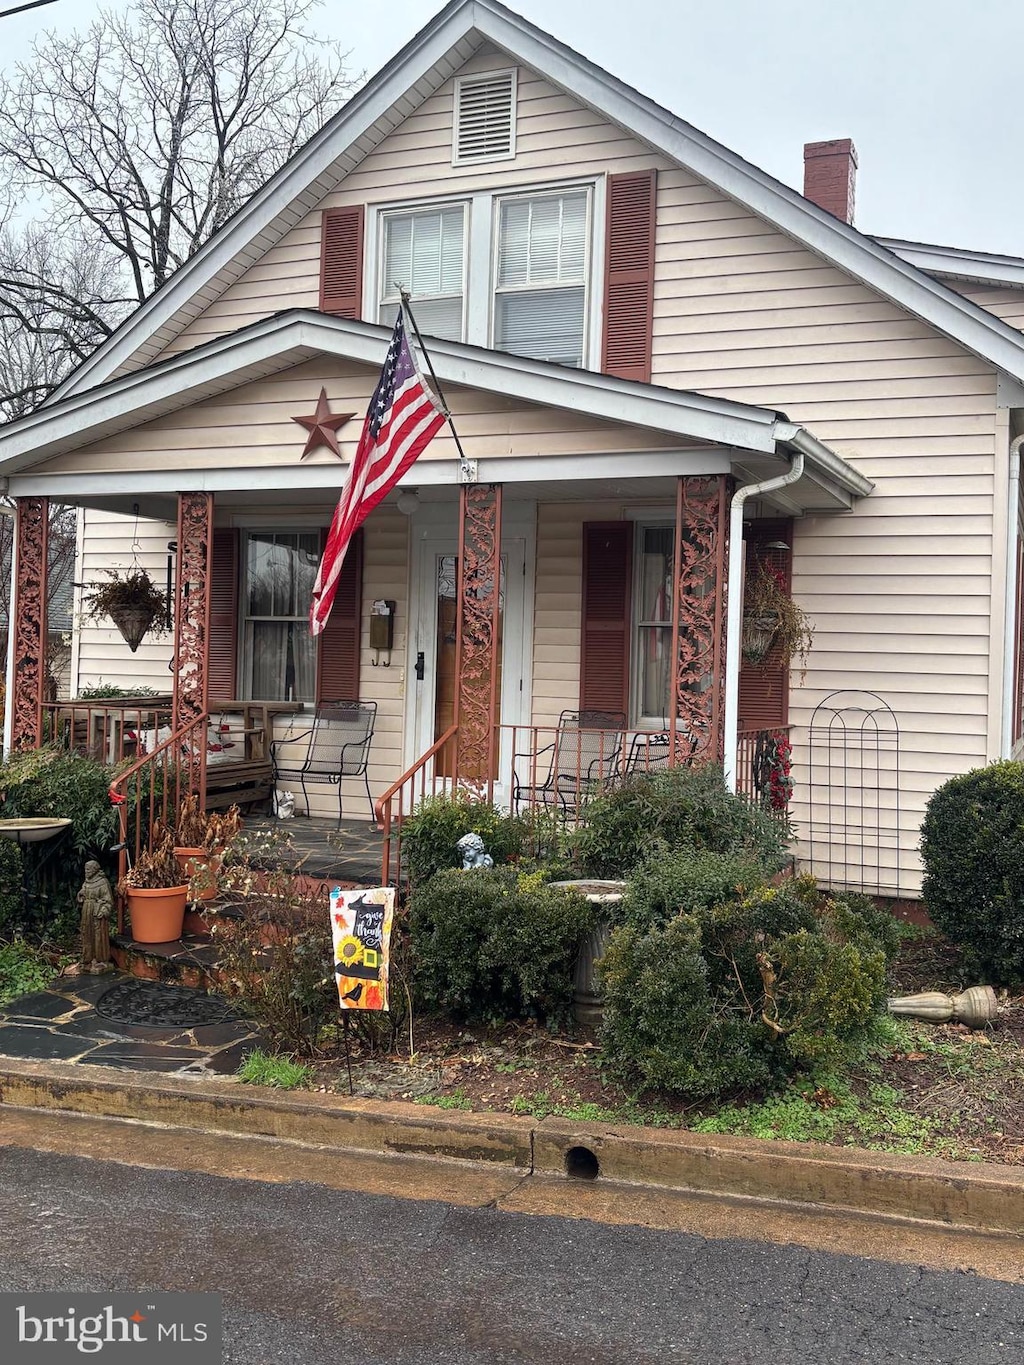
(407,308)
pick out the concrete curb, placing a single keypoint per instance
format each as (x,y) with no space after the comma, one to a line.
(980,1197)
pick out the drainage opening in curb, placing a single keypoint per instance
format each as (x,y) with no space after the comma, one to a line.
(582,1164)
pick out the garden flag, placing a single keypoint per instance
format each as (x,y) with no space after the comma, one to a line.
(402,419)
(361,929)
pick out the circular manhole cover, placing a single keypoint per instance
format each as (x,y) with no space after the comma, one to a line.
(161,1005)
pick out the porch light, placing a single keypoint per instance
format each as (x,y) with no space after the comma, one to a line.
(408,501)
(775,545)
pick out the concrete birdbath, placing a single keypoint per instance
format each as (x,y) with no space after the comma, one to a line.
(31,830)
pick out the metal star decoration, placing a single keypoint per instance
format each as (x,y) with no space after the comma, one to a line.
(322,427)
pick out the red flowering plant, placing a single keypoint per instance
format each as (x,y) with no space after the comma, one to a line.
(773,624)
(780,767)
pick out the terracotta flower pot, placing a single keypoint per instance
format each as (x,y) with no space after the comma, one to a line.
(201,867)
(157,915)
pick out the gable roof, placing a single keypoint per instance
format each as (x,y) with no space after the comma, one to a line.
(288,339)
(417,71)
(959,263)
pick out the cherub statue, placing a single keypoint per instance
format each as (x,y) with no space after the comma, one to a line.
(97,902)
(471,846)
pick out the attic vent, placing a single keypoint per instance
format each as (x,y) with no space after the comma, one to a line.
(485,117)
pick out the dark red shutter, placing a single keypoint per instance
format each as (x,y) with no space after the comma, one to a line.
(607,589)
(629,275)
(222,658)
(341,262)
(764,688)
(337,674)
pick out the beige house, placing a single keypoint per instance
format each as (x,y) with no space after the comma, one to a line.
(663,366)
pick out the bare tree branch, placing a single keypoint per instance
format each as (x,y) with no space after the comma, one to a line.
(134,141)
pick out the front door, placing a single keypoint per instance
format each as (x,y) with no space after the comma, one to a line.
(432,667)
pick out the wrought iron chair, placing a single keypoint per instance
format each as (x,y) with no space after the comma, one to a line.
(584,758)
(649,750)
(338,746)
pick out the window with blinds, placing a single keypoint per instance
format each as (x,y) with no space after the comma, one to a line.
(424,252)
(540,288)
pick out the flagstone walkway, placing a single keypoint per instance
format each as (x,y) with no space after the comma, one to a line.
(72,1021)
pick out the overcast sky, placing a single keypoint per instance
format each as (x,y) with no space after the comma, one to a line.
(929,90)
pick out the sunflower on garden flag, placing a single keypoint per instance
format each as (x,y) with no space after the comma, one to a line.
(361,929)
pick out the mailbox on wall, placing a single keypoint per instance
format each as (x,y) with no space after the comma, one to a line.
(382,631)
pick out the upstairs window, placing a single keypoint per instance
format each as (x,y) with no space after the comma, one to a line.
(424,252)
(485,118)
(541,264)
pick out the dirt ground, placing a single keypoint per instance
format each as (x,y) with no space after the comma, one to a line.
(939,1089)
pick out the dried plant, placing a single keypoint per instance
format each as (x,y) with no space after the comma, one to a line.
(766,599)
(155,869)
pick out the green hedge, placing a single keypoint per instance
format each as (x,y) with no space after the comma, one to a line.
(490,946)
(674,808)
(972,846)
(736,995)
(430,834)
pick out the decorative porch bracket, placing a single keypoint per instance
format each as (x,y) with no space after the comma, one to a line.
(477,643)
(192,607)
(28,618)
(697,722)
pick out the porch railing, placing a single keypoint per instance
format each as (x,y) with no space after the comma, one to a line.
(401,799)
(550,770)
(109,731)
(154,786)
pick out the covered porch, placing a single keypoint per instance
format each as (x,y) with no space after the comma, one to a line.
(582,555)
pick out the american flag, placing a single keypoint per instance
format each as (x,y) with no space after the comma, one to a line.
(401,420)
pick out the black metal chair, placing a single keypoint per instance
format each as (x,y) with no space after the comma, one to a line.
(338,746)
(584,759)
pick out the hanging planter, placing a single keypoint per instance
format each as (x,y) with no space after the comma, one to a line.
(132,601)
(773,624)
(758,635)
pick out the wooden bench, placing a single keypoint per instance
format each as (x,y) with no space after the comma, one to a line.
(248,779)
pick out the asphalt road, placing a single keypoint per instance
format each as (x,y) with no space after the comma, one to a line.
(315,1276)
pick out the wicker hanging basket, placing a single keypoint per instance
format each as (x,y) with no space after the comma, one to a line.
(759,631)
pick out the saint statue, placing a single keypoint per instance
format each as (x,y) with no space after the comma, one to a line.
(97,902)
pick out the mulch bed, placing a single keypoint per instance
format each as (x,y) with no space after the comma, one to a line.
(964,1089)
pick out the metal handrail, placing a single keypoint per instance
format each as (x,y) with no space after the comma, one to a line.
(384,806)
(181,762)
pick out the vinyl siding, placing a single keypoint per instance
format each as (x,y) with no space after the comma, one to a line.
(1005,302)
(100,650)
(901,590)
(251,427)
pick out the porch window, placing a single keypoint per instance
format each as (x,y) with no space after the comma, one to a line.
(652,641)
(279,654)
(540,287)
(424,252)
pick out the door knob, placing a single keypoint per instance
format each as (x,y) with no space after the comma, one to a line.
(421,666)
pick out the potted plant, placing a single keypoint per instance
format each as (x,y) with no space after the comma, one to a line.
(772,621)
(131,600)
(156,892)
(200,838)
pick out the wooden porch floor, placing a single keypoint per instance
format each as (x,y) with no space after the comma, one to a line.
(351,853)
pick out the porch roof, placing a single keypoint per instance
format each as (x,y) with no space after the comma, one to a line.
(754,442)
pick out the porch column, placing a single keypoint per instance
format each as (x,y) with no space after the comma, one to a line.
(698,622)
(477,635)
(28,621)
(192,606)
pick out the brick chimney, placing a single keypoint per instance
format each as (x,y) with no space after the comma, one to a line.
(830,174)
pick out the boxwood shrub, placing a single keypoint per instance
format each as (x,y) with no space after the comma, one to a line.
(736,995)
(489,945)
(430,834)
(972,846)
(673,808)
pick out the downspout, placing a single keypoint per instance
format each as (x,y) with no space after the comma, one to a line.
(1010,604)
(734,614)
